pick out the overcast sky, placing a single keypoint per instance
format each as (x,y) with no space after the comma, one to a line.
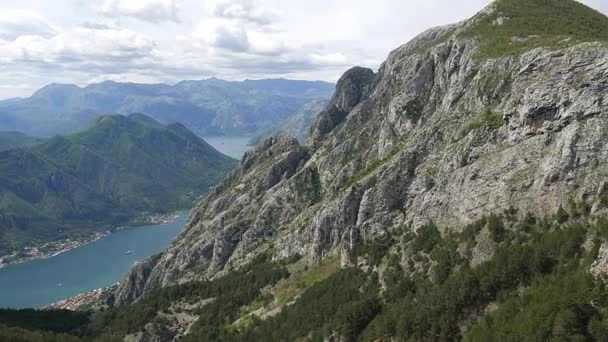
(86,41)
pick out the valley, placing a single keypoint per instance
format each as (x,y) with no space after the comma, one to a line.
(116,171)
(456,191)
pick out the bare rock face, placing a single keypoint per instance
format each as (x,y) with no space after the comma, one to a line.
(351,89)
(132,286)
(437,133)
(599,268)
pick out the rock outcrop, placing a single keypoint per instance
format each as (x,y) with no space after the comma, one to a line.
(438,133)
(599,268)
(132,286)
(352,88)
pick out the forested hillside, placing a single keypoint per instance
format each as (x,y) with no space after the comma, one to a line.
(111,172)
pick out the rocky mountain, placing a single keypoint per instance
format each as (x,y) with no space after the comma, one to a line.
(455,125)
(111,172)
(296,125)
(207,107)
(10,140)
(458,193)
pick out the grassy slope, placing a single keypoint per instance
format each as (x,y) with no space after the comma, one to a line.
(548,23)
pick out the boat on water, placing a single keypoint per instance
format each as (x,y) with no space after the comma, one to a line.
(128,252)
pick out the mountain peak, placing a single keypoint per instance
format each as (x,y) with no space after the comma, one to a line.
(508,27)
(54,89)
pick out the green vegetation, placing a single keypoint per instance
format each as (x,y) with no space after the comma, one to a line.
(14,334)
(534,285)
(11,140)
(374,251)
(228,294)
(561,307)
(107,174)
(58,321)
(488,118)
(41,326)
(292,287)
(517,26)
(373,166)
(520,176)
(346,300)
(434,310)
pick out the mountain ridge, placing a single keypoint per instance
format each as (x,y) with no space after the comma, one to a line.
(296,125)
(112,171)
(451,195)
(209,107)
(367,185)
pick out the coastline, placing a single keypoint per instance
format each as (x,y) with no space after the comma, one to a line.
(55,248)
(81,301)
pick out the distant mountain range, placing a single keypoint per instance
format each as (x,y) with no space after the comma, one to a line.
(112,171)
(207,107)
(296,125)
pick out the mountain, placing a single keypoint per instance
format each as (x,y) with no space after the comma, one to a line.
(111,172)
(10,140)
(458,193)
(208,107)
(296,125)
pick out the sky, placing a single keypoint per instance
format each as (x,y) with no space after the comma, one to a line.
(154,41)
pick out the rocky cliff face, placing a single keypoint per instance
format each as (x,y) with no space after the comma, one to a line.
(438,133)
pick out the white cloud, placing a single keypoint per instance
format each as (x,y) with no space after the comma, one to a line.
(76,41)
(77,47)
(246,10)
(16,23)
(267,44)
(329,59)
(154,11)
(231,39)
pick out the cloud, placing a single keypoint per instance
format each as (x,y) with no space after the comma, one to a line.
(247,11)
(233,40)
(233,44)
(16,23)
(73,41)
(154,11)
(81,45)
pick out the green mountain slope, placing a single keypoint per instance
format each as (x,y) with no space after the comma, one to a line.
(515,26)
(106,174)
(10,140)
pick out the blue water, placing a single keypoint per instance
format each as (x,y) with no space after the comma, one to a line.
(99,264)
(233,146)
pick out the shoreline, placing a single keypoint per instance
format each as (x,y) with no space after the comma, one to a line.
(56,248)
(62,246)
(81,301)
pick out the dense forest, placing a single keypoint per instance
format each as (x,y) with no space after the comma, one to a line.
(411,285)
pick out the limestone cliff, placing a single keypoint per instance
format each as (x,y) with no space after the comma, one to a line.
(445,130)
